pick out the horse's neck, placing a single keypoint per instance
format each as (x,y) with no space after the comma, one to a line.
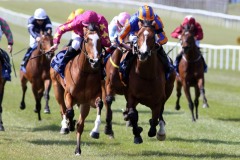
(192,54)
(150,68)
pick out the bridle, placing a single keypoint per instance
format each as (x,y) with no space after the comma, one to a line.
(92,61)
(144,51)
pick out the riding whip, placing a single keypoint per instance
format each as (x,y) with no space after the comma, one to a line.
(19,51)
(13,65)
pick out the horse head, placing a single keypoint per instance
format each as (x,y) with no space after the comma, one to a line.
(146,39)
(45,44)
(187,38)
(92,45)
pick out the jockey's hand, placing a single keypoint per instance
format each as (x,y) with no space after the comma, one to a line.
(10,48)
(54,48)
(127,47)
(179,37)
(38,39)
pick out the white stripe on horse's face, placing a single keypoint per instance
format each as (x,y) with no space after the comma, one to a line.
(143,48)
(94,38)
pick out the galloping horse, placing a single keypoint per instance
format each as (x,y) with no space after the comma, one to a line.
(148,84)
(38,73)
(82,86)
(2,84)
(191,72)
(113,85)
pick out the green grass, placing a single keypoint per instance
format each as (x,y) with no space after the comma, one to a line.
(214,136)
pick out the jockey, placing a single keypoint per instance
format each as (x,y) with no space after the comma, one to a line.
(6,68)
(117,24)
(5,29)
(189,20)
(72,15)
(36,23)
(146,13)
(78,25)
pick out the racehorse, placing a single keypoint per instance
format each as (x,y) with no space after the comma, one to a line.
(2,84)
(147,83)
(38,74)
(81,86)
(113,85)
(191,72)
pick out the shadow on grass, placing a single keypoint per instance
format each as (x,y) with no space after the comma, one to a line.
(229,119)
(177,155)
(54,128)
(68,142)
(204,141)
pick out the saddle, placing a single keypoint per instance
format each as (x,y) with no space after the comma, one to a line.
(6,66)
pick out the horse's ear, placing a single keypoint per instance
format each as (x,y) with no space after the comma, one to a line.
(191,28)
(153,23)
(49,32)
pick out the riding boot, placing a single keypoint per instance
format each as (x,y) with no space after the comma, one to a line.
(125,66)
(70,53)
(176,63)
(69,43)
(205,65)
(26,58)
(164,59)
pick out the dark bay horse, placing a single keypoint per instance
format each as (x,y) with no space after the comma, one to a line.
(191,72)
(82,86)
(2,84)
(147,83)
(113,85)
(38,74)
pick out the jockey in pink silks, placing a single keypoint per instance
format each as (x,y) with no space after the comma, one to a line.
(77,25)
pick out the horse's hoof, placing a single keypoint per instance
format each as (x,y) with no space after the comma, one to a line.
(108,131)
(152,132)
(22,106)
(161,137)
(47,111)
(205,106)
(177,107)
(128,124)
(78,152)
(138,140)
(94,135)
(64,131)
(2,128)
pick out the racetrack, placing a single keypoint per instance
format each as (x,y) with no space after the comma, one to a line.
(214,136)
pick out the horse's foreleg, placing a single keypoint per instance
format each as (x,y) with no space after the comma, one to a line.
(70,111)
(161,134)
(178,89)
(24,89)
(95,131)
(1,98)
(38,94)
(133,117)
(47,86)
(196,101)
(108,128)
(190,102)
(202,91)
(1,122)
(109,98)
(84,111)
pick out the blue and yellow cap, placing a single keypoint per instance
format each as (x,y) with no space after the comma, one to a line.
(146,13)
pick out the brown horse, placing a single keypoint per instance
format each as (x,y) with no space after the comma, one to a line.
(38,73)
(113,85)
(191,72)
(82,86)
(147,83)
(2,84)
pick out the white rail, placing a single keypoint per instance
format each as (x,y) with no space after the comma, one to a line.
(222,57)
(216,56)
